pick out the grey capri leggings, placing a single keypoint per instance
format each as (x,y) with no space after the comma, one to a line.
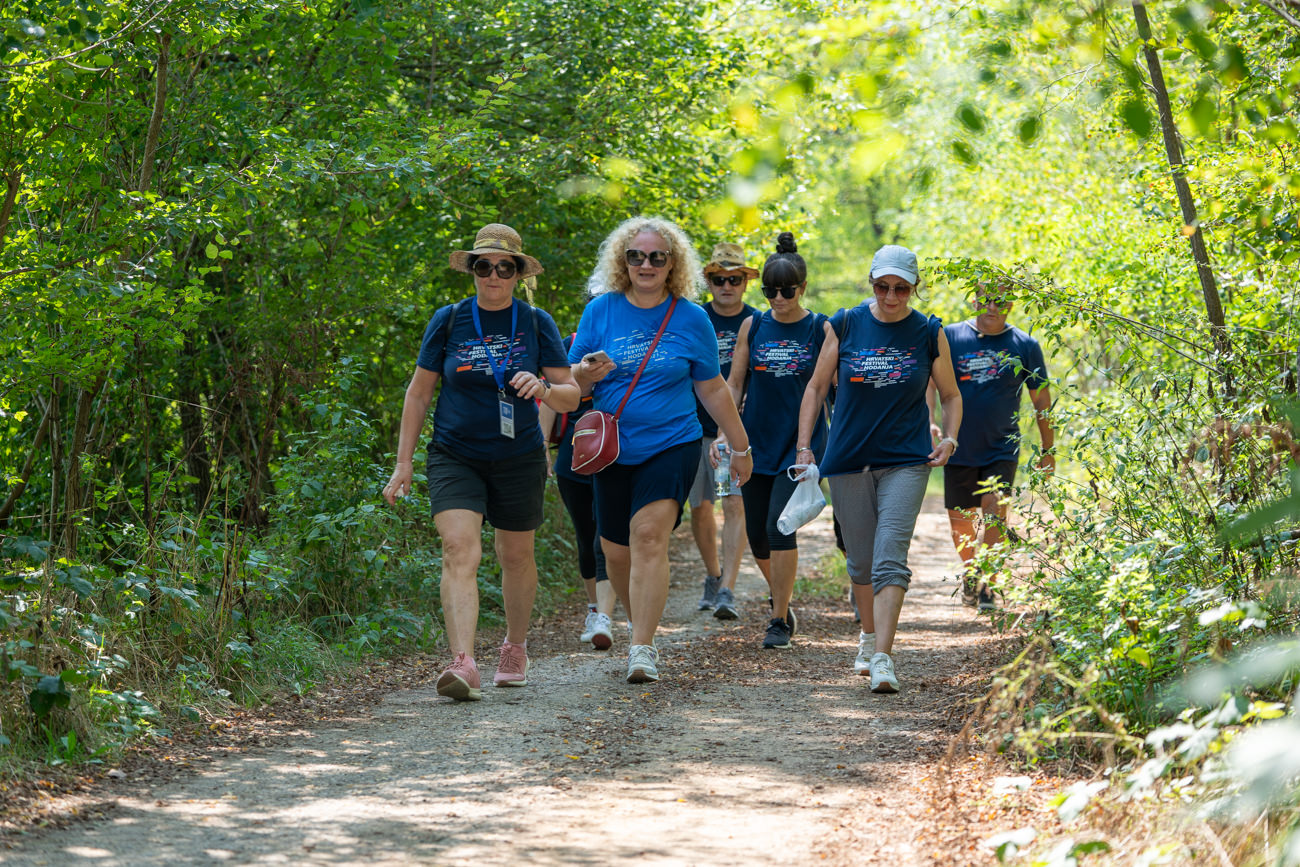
(877,512)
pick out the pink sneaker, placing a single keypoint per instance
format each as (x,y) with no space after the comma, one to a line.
(460,680)
(512,669)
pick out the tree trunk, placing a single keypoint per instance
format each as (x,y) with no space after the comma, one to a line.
(12,179)
(73,495)
(194,440)
(7,508)
(155,120)
(1174,153)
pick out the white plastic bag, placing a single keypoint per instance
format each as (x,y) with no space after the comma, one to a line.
(806,502)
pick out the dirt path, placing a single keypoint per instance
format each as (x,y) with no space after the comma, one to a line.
(738,756)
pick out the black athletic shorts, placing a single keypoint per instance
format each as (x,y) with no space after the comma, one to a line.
(510,492)
(961,483)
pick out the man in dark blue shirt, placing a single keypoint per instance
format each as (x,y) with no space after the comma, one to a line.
(994,362)
(727,276)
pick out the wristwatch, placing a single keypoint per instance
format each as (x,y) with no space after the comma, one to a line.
(950,440)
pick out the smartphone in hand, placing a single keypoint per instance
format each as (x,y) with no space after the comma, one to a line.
(600,356)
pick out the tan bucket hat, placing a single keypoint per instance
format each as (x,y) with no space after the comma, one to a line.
(497,238)
(729,257)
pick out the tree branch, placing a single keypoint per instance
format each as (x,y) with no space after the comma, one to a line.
(1285,16)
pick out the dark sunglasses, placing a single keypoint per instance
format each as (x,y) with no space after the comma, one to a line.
(658,258)
(505,269)
(786,291)
(734,280)
(902,290)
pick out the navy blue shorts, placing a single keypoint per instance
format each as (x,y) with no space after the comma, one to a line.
(622,490)
(961,483)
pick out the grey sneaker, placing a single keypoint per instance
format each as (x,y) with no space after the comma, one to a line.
(726,605)
(969,593)
(882,674)
(642,664)
(986,602)
(866,647)
(710,597)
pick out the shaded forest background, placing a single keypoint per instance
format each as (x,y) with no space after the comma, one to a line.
(225,224)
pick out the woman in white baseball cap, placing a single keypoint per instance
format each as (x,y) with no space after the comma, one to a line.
(880,452)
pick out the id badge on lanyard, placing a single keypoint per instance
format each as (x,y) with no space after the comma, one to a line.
(505,406)
(506,410)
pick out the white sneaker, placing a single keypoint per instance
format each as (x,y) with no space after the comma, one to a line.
(882,674)
(589,627)
(642,664)
(602,638)
(866,647)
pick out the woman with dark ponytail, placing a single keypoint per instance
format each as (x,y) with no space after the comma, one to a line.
(776,352)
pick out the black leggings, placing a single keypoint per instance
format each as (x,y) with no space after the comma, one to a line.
(765,497)
(580,501)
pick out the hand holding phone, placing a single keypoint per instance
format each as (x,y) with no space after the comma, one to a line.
(600,356)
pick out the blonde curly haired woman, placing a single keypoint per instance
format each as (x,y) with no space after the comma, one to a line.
(644,269)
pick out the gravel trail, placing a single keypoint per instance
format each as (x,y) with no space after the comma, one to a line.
(737,756)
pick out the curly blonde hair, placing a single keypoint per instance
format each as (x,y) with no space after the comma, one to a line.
(685,279)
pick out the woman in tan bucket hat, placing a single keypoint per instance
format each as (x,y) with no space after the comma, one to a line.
(495,356)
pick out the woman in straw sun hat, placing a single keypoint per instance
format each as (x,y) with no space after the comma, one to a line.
(495,356)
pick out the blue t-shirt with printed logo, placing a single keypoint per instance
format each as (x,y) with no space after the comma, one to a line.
(661,412)
(725,329)
(991,371)
(782,356)
(881,419)
(467,420)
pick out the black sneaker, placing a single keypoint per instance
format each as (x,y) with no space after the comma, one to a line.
(985,602)
(726,605)
(791,620)
(710,597)
(778,635)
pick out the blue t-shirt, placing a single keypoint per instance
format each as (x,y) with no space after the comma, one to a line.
(725,328)
(564,452)
(991,371)
(467,421)
(881,418)
(661,411)
(782,356)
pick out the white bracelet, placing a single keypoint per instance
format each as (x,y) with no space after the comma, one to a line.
(742,452)
(949,440)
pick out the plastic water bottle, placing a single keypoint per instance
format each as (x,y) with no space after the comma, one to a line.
(722,473)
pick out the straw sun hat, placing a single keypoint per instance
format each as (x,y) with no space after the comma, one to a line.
(497,238)
(729,257)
